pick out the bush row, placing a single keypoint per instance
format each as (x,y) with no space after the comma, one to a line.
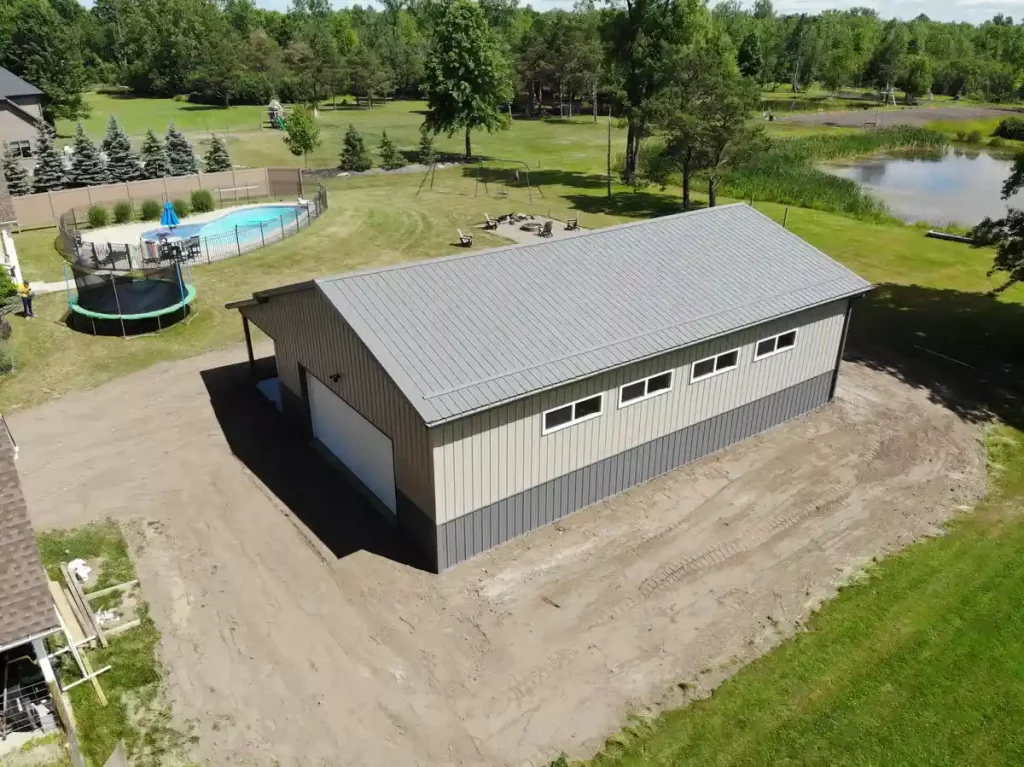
(201,201)
(1011,128)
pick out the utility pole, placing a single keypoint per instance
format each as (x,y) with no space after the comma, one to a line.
(609,152)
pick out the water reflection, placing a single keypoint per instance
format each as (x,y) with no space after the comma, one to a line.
(955,186)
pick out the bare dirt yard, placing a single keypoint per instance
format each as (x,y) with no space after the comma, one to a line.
(922,115)
(288,647)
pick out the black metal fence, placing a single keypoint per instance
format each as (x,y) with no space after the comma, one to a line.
(164,252)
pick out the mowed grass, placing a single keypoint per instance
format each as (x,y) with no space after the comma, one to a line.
(566,144)
(921,663)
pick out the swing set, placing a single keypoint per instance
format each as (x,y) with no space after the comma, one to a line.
(511,174)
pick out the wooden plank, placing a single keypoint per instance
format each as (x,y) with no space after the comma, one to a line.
(90,624)
(62,603)
(91,676)
(111,589)
(83,663)
(121,628)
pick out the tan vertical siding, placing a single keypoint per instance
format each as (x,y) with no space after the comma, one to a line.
(509,441)
(307,330)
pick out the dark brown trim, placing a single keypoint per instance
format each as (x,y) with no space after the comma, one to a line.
(248,345)
(842,346)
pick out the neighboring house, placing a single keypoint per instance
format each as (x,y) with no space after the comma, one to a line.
(27,614)
(21,111)
(481,396)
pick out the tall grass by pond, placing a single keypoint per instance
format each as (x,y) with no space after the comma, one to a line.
(786,172)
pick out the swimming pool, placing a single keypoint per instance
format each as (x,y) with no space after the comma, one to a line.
(257,218)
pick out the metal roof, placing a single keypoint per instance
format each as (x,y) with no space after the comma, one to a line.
(465,333)
(12,85)
(26,609)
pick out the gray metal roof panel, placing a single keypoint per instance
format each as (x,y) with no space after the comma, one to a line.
(12,85)
(464,333)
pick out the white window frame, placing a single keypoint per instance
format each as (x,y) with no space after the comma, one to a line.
(693,366)
(776,350)
(646,382)
(572,421)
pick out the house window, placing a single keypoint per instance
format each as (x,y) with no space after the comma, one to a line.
(645,388)
(710,366)
(20,148)
(768,346)
(573,413)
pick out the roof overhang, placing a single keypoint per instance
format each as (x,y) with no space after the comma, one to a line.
(262,296)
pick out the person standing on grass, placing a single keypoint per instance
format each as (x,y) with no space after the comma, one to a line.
(25,291)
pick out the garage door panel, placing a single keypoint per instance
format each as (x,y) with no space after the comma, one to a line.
(364,449)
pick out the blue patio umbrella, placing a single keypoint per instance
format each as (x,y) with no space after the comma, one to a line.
(169,217)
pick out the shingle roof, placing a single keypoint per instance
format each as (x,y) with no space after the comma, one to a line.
(12,85)
(26,609)
(465,333)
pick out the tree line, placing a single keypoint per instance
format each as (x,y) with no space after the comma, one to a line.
(230,51)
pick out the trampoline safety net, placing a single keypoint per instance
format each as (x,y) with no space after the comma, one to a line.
(120,294)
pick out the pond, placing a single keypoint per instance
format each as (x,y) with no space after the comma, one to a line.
(958,186)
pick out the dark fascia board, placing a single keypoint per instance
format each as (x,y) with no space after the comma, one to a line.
(261,296)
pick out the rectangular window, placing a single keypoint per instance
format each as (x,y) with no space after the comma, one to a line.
(20,148)
(710,366)
(766,347)
(645,388)
(567,415)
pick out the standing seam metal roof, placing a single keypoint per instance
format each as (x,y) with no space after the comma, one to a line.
(465,333)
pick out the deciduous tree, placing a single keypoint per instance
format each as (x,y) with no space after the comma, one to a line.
(302,133)
(1007,233)
(467,76)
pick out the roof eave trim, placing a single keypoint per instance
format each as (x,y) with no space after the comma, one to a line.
(859,293)
(260,296)
(29,638)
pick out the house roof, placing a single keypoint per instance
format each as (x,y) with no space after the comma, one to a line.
(12,85)
(26,609)
(466,333)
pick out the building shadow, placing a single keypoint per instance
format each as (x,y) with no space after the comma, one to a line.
(284,460)
(966,349)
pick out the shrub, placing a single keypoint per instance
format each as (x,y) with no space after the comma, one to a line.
(996,143)
(7,286)
(150,210)
(181,207)
(202,201)
(1011,128)
(6,359)
(5,328)
(123,212)
(974,136)
(98,216)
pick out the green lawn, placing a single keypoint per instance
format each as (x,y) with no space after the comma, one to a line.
(922,663)
(138,711)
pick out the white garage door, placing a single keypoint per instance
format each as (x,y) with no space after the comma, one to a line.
(355,441)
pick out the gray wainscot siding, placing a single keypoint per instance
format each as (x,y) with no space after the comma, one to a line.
(498,476)
(308,333)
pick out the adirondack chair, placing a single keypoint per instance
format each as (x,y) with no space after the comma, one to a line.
(465,240)
(546,230)
(572,224)
(490,223)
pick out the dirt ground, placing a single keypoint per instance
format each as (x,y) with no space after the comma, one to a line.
(285,653)
(922,115)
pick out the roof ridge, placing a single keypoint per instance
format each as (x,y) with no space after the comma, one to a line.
(345,276)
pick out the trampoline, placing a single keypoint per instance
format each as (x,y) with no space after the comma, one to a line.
(129,303)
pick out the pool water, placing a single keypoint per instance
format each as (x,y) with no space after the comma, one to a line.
(245,218)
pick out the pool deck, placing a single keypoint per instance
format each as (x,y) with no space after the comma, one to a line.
(131,234)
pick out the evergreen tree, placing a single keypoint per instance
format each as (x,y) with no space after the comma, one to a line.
(427,153)
(48,175)
(217,158)
(390,157)
(354,156)
(16,175)
(154,157)
(87,167)
(180,157)
(122,162)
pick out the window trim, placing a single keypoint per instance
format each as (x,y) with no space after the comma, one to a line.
(22,148)
(776,350)
(646,382)
(713,373)
(573,420)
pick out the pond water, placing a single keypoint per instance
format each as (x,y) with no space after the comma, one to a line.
(956,186)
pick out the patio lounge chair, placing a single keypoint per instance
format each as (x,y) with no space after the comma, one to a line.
(546,229)
(572,224)
(194,249)
(490,223)
(465,240)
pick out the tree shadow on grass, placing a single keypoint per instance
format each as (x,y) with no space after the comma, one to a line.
(285,461)
(629,204)
(965,349)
